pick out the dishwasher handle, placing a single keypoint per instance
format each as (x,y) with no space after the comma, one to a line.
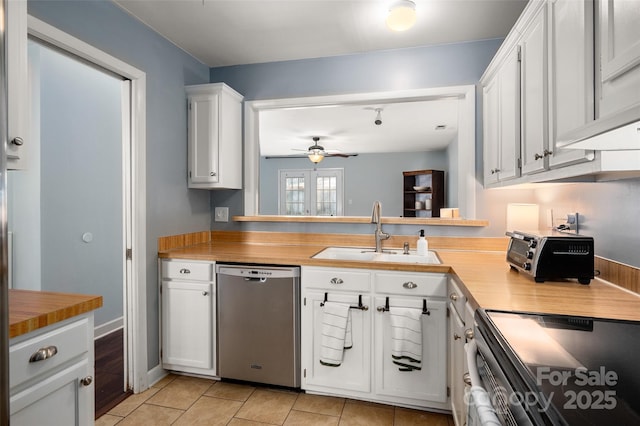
(256,279)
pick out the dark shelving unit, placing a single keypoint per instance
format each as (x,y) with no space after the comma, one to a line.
(431,197)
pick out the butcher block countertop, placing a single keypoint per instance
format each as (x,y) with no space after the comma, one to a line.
(485,276)
(30,310)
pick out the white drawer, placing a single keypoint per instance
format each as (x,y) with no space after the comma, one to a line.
(411,284)
(336,279)
(187,270)
(456,297)
(63,343)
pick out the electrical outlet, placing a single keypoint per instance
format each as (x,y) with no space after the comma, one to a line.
(221,214)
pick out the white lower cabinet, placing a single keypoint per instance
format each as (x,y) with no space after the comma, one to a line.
(188,316)
(51,375)
(353,375)
(367,371)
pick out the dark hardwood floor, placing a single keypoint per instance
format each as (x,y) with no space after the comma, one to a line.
(109,372)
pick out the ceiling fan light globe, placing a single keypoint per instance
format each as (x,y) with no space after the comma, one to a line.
(316,157)
(402,15)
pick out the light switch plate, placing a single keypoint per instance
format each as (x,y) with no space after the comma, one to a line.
(221,214)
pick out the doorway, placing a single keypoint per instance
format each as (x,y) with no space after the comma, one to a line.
(68,213)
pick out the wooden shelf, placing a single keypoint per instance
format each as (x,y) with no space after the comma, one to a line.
(434,181)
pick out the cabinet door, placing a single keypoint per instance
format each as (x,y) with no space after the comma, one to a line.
(418,386)
(491,124)
(571,76)
(509,113)
(457,366)
(17,87)
(187,324)
(533,52)
(204,138)
(619,55)
(354,374)
(60,399)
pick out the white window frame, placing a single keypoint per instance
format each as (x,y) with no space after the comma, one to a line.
(310,176)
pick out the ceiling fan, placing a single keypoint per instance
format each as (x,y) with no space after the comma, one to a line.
(316,152)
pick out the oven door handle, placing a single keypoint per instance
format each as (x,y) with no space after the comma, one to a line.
(471,349)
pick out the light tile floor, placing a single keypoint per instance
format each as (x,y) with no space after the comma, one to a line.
(181,400)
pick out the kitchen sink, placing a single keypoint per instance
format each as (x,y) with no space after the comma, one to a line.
(369,255)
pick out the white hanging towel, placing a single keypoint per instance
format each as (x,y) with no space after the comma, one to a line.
(336,333)
(406,337)
(481,412)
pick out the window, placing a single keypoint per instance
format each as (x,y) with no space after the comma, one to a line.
(311,192)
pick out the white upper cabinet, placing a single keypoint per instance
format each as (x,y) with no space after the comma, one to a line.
(17,86)
(619,41)
(501,101)
(215,137)
(533,86)
(571,76)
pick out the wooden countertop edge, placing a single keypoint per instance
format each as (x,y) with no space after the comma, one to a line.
(430,221)
(30,310)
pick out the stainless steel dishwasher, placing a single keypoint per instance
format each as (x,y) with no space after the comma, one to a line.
(259,323)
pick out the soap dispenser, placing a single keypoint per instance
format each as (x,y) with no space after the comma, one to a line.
(423,245)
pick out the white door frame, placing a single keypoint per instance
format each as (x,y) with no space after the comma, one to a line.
(135,296)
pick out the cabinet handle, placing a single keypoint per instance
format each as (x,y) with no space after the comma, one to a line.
(547,152)
(43,353)
(185,271)
(18,141)
(409,285)
(453,297)
(538,156)
(336,281)
(466,378)
(205,293)
(468,333)
(456,336)
(212,174)
(86,381)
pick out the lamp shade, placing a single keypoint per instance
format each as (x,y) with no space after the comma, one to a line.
(316,156)
(522,217)
(402,15)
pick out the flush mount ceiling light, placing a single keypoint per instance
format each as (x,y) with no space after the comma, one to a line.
(402,15)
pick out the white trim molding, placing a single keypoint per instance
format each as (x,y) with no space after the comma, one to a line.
(466,164)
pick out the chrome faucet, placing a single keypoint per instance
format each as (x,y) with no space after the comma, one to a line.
(375,218)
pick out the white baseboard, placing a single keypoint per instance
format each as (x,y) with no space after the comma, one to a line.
(108,327)
(156,374)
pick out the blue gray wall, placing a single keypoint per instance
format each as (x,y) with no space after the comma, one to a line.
(411,68)
(365,176)
(171,207)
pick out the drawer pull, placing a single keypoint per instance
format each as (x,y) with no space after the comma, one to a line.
(185,271)
(43,353)
(86,381)
(453,297)
(409,285)
(336,281)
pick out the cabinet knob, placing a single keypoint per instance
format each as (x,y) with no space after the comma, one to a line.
(336,280)
(453,297)
(17,141)
(538,156)
(43,353)
(86,381)
(185,271)
(547,152)
(468,333)
(205,293)
(456,336)
(212,174)
(409,285)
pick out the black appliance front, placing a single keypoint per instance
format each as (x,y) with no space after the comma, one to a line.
(568,370)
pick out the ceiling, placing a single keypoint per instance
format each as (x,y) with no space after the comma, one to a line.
(233,32)
(406,127)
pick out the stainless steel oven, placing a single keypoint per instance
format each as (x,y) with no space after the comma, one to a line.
(541,369)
